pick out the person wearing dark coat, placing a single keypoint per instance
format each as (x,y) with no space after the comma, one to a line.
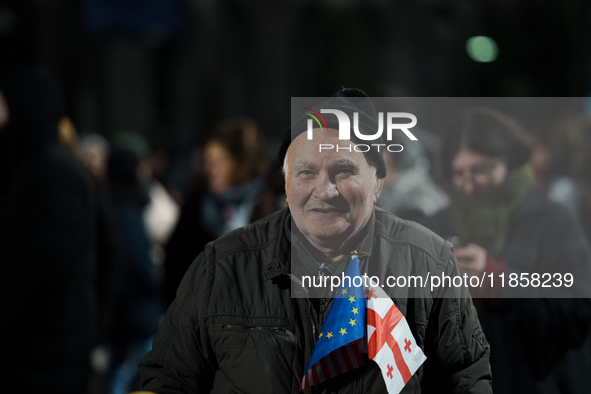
(232,191)
(47,243)
(138,296)
(502,223)
(243,322)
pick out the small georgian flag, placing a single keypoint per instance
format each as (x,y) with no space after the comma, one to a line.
(390,342)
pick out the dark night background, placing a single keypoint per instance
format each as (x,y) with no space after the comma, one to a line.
(172,68)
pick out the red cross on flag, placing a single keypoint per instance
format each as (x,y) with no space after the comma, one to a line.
(390,342)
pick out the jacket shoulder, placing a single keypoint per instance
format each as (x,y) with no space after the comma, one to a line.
(400,231)
(258,235)
(223,255)
(538,206)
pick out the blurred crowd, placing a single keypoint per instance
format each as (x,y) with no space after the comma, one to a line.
(93,244)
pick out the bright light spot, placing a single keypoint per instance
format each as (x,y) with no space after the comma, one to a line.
(482,49)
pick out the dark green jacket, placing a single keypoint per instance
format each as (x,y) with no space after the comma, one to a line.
(235,328)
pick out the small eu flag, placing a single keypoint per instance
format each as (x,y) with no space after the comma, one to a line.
(337,349)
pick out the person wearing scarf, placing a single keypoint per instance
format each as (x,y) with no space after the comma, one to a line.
(232,191)
(481,221)
(502,223)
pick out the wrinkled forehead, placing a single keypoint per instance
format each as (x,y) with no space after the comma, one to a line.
(325,149)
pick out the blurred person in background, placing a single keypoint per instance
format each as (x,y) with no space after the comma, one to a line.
(161,212)
(139,303)
(409,190)
(231,191)
(47,242)
(561,161)
(168,165)
(67,134)
(93,151)
(553,161)
(582,172)
(502,223)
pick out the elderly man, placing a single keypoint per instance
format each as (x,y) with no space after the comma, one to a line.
(243,322)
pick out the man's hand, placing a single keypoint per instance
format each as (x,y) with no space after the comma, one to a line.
(472,259)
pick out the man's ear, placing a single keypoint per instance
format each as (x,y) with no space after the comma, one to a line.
(287,190)
(286,175)
(378,189)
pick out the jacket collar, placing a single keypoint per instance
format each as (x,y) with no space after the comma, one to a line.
(281,262)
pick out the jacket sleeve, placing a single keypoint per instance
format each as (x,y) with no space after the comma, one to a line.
(457,341)
(181,359)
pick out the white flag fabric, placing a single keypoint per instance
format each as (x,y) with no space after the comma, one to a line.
(390,342)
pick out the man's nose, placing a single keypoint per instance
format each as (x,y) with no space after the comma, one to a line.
(325,188)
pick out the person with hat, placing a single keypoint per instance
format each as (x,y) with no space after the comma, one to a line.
(244,321)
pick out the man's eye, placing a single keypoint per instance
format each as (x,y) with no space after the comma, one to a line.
(305,173)
(343,173)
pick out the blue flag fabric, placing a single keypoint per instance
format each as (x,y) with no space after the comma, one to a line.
(337,350)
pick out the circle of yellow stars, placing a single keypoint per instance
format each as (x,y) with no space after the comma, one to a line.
(352,322)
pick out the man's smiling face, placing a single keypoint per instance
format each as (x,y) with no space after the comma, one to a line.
(331,194)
